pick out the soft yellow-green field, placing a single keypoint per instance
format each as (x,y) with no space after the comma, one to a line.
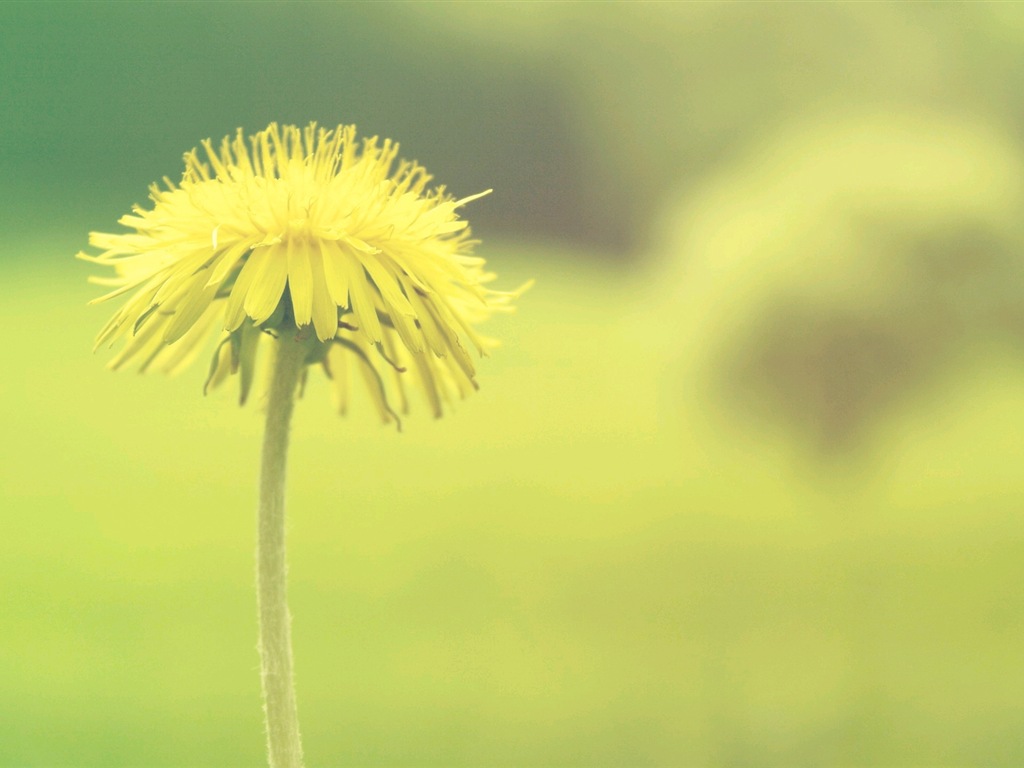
(577,568)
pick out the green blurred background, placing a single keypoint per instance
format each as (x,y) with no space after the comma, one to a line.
(742,488)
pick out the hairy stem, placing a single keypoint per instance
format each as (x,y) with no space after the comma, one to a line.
(284,746)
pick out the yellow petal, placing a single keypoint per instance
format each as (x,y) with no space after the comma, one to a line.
(325,311)
(300,281)
(335,272)
(226,262)
(235,312)
(177,356)
(268,285)
(362,298)
(431,332)
(387,284)
(188,309)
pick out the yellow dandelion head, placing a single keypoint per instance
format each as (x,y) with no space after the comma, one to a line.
(303,231)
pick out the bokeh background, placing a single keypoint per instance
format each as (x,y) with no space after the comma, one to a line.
(743,487)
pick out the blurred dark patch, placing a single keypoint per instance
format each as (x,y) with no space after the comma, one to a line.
(827,373)
(830,372)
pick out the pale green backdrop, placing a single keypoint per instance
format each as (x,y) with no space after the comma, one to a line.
(741,488)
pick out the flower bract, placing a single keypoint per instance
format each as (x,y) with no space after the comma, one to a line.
(303,231)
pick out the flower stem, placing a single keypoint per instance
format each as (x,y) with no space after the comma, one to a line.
(283,743)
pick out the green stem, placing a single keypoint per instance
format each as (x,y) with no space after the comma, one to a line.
(283,744)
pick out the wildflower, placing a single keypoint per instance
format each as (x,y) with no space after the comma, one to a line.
(304,242)
(303,232)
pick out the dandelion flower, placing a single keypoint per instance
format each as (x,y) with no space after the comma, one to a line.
(331,255)
(303,228)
